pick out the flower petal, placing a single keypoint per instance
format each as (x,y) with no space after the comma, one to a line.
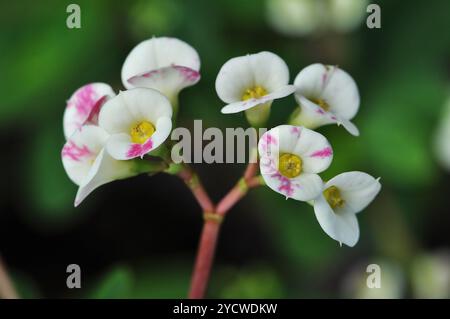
(83,105)
(80,151)
(120,146)
(158,53)
(331,84)
(358,189)
(238,74)
(305,187)
(250,103)
(342,227)
(168,80)
(314,150)
(119,114)
(105,169)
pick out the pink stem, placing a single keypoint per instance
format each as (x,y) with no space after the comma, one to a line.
(211,228)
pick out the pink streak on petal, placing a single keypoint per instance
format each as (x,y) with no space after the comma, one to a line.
(74,152)
(93,114)
(326,152)
(189,74)
(296,130)
(286,187)
(137,150)
(84,100)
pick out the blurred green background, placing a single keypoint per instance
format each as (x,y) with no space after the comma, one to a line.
(269,247)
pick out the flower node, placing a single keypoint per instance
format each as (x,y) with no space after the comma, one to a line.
(254,93)
(333,196)
(141,132)
(290,165)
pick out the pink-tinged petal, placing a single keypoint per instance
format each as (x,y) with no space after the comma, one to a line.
(139,150)
(312,115)
(314,150)
(80,151)
(158,54)
(325,152)
(120,146)
(305,187)
(169,80)
(75,152)
(250,103)
(82,107)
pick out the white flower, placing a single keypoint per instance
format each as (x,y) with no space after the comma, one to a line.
(250,83)
(303,17)
(139,120)
(326,95)
(442,139)
(344,196)
(84,105)
(164,64)
(88,165)
(291,157)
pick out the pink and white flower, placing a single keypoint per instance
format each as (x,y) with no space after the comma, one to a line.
(138,120)
(342,198)
(88,165)
(326,95)
(290,159)
(84,105)
(164,64)
(250,83)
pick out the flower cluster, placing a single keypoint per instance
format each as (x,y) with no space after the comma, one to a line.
(292,156)
(110,137)
(107,134)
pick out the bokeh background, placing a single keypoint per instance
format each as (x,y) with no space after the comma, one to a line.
(269,247)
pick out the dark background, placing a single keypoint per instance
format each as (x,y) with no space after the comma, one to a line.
(269,247)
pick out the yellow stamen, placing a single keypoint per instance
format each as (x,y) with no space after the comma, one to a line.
(254,93)
(141,132)
(333,196)
(290,165)
(322,103)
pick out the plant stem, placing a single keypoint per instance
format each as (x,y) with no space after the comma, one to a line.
(7,290)
(193,182)
(204,259)
(211,228)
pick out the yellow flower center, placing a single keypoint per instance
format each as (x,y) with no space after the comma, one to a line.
(322,103)
(290,165)
(254,93)
(141,132)
(333,196)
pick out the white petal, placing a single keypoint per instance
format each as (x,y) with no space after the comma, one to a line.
(314,150)
(80,151)
(169,80)
(342,227)
(82,104)
(304,187)
(349,126)
(119,114)
(240,106)
(312,115)
(120,146)
(331,84)
(238,74)
(104,170)
(157,53)
(358,189)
